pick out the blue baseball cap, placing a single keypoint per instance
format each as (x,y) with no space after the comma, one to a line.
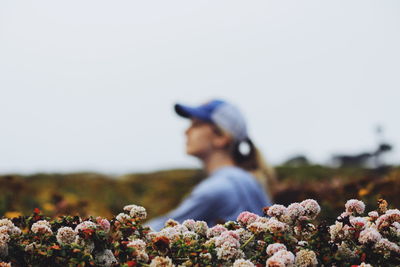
(221,113)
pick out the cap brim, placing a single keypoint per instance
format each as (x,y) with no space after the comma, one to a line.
(191,112)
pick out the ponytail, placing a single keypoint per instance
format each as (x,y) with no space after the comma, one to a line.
(247,156)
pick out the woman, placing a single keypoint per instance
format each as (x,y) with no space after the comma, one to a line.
(238,179)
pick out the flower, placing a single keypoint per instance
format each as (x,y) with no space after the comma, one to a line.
(65,235)
(273,248)
(42,227)
(171,223)
(385,244)
(258,227)
(293,212)
(136,212)
(105,258)
(281,258)
(123,218)
(276,210)
(228,251)
(246,218)
(244,235)
(87,244)
(161,262)
(306,258)
(358,222)
(216,230)
(103,223)
(190,224)
(355,206)
(275,226)
(373,215)
(243,263)
(311,208)
(137,244)
(85,225)
(369,235)
(201,228)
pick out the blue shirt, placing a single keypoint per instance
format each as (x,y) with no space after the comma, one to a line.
(220,197)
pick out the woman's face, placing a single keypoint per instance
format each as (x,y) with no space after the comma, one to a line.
(200,138)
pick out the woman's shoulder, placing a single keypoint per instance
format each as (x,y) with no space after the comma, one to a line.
(218,183)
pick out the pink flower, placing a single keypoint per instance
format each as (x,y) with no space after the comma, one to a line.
(355,206)
(373,214)
(369,235)
(311,208)
(276,210)
(104,224)
(216,230)
(246,218)
(190,224)
(358,222)
(273,248)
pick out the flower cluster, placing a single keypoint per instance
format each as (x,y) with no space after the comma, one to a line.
(286,236)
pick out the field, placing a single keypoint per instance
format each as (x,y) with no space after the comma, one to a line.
(99,195)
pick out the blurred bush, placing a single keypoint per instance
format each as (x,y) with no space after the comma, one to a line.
(99,195)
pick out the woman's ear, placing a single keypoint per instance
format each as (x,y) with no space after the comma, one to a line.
(221,141)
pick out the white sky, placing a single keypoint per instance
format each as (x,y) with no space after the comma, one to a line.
(90,85)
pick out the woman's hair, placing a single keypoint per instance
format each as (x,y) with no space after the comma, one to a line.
(251,160)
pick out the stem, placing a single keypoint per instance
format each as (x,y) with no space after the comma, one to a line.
(248,241)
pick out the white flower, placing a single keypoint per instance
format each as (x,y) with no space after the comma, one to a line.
(258,227)
(373,214)
(85,225)
(171,223)
(230,237)
(228,251)
(31,247)
(358,222)
(190,224)
(137,244)
(243,263)
(355,206)
(273,248)
(161,262)
(206,256)
(201,228)
(244,235)
(137,212)
(189,235)
(6,222)
(293,212)
(246,218)
(105,258)
(369,235)
(275,262)
(281,258)
(87,244)
(311,208)
(4,236)
(306,258)
(338,231)
(216,230)
(65,235)
(363,264)
(276,210)
(42,227)
(345,252)
(385,244)
(123,218)
(275,226)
